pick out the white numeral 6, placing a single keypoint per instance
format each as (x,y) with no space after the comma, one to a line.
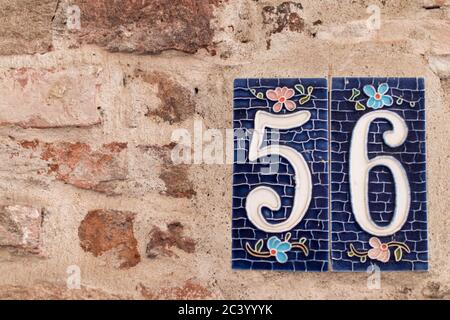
(360,166)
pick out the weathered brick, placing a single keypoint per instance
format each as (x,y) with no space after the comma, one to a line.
(26,26)
(175,176)
(325,37)
(113,168)
(79,165)
(103,231)
(147,26)
(45,98)
(285,16)
(161,242)
(20,229)
(176,101)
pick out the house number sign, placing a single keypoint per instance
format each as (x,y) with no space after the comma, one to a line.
(329,177)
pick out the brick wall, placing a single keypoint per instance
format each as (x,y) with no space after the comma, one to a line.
(86,118)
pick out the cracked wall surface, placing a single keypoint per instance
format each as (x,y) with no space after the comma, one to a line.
(86,120)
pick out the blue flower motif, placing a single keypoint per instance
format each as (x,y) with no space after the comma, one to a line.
(278,249)
(378,98)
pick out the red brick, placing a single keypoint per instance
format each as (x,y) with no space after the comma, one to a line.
(104,231)
(79,165)
(20,229)
(161,241)
(147,26)
(283,17)
(177,103)
(175,177)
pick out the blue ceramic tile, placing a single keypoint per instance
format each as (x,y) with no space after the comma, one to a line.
(359,242)
(303,247)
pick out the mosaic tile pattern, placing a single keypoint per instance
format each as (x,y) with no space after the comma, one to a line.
(311,141)
(345,112)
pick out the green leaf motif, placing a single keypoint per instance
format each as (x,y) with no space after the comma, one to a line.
(300,88)
(359,106)
(259,245)
(363,259)
(258,95)
(399,101)
(310,90)
(302,240)
(304,99)
(398,253)
(287,237)
(355,94)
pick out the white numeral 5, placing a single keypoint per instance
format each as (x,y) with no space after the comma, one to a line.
(360,166)
(267,197)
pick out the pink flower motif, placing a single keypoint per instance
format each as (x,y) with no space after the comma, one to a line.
(281,95)
(380,251)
